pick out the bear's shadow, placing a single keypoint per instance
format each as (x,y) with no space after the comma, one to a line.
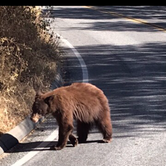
(43,146)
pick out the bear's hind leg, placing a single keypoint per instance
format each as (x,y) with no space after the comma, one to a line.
(82,131)
(73,139)
(105,127)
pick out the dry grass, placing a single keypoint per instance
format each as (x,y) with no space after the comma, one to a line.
(28,58)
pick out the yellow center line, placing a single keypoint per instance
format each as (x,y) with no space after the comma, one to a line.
(128,18)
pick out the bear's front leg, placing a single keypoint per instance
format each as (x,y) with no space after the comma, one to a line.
(64,132)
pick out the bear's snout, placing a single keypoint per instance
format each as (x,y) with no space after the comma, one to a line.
(35,118)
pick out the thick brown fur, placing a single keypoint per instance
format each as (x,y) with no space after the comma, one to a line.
(81,101)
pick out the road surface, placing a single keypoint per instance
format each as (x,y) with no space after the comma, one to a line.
(126,58)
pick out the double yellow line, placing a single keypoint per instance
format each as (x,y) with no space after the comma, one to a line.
(140,21)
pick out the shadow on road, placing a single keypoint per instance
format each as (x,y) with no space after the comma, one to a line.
(107,21)
(43,146)
(133,78)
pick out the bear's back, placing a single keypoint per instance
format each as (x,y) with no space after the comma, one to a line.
(81,92)
(84,100)
(86,88)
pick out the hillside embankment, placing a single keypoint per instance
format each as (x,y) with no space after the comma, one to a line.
(29,57)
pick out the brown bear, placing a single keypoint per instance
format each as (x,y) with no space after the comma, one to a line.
(81,101)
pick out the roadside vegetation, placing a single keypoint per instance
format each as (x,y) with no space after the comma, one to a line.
(29,57)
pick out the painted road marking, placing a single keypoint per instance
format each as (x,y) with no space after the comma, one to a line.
(140,21)
(31,154)
(85,77)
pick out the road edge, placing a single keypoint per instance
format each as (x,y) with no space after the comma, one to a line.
(85,76)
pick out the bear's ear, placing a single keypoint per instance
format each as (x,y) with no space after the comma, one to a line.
(38,93)
(47,100)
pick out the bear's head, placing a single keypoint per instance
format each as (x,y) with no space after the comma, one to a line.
(40,107)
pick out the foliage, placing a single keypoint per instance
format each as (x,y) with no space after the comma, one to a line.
(28,58)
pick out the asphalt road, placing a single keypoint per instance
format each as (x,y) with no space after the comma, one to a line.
(126,59)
